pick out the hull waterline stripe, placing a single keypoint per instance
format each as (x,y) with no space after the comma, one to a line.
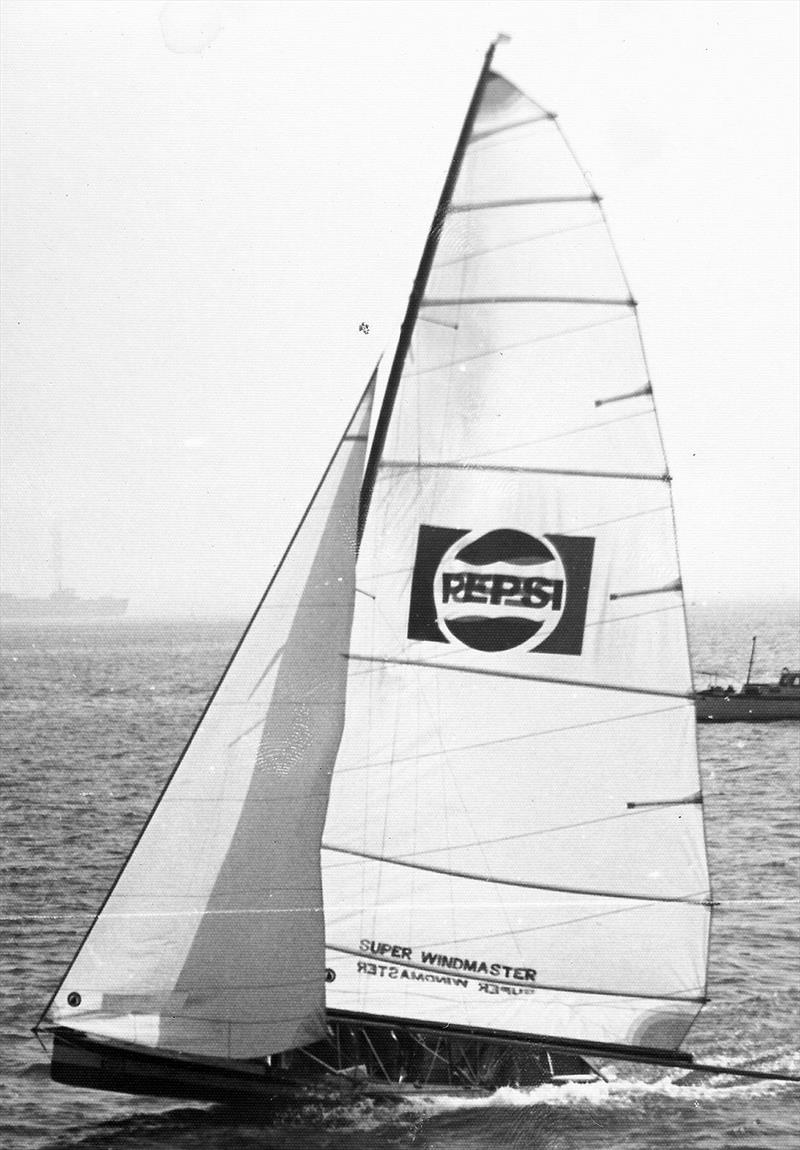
(654,691)
(508,981)
(456,465)
(688,900)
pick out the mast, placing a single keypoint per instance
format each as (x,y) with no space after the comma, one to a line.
(750,664)
(418,291)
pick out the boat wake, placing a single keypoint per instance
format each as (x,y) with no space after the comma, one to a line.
(616,1093)
(313,1126)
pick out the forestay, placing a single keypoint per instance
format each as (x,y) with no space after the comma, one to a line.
(211,942)
(514,840)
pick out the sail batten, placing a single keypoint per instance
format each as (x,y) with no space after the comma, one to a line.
(468,301)
(507,525)
(475,465)
(522,201)
(476,137)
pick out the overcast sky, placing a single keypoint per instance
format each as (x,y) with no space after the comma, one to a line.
(204,201)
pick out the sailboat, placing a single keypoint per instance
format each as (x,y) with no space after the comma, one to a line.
(754,702)
(440,825)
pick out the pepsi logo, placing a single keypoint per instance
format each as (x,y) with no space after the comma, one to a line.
(499,590)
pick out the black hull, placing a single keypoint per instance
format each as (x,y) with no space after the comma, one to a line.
(314,1075)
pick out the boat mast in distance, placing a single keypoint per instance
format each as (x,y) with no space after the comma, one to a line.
(752,659)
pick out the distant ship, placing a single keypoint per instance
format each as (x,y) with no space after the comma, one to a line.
(62,602)
(754,702)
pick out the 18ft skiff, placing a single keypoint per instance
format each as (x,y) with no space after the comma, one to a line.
(440,825)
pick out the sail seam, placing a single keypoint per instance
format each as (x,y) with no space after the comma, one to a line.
(566,434)
(509,739)
(570,431)
(520,675)
(616,318)
(626,814)
(551,233)
(573,920)
(407,569)
(635,615)
(690,900)
(533,986)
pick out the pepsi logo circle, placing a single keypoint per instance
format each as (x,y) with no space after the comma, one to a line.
(500,590)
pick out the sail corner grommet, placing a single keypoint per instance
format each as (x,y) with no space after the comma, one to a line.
(73,998)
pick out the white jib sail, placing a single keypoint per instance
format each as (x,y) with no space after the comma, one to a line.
(514,840)
(211,942)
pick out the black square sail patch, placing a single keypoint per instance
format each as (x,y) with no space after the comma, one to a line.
(501,590)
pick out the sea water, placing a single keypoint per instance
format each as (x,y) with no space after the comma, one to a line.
(94,715)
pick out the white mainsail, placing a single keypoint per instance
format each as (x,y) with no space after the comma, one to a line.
(514,841)
(211,941)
